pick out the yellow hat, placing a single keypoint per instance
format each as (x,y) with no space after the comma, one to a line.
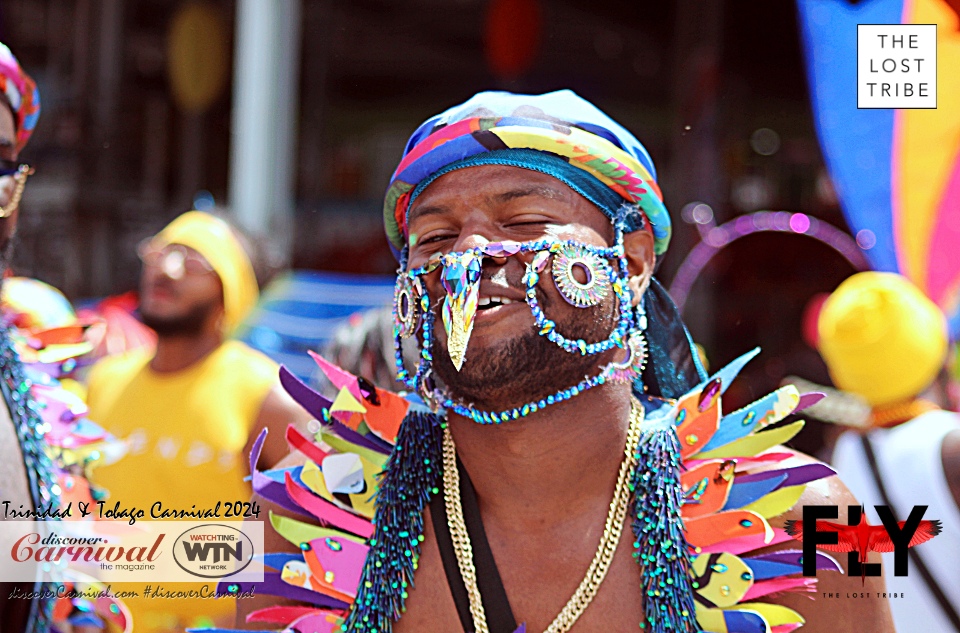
(215,240)
(882,338)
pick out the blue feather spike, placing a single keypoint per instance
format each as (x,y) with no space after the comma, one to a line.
(742,494)
(745,421)
(730,372)
(744,622)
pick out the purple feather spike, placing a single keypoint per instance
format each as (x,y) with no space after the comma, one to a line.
(306,397)
(314,403)
(808,400)
(709,395)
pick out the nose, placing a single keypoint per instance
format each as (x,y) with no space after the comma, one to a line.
(476,238)
(172,265)
(470,239)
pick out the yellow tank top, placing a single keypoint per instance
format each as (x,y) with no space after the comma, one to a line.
(185,431)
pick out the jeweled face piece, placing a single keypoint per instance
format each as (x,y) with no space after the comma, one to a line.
(460,276)
(461,280)
(406,306)
(569,260)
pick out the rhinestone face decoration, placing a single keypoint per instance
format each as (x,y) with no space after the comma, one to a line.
(570,258)
(406,307)
(461,280)
(632,366)
(460,277)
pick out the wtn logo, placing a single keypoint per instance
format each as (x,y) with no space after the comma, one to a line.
(859,537)
(221,551)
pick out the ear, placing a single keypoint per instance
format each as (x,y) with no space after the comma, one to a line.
(638,247)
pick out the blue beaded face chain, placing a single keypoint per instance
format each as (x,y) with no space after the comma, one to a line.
(461,276)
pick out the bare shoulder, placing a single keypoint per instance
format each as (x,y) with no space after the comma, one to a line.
(840,602)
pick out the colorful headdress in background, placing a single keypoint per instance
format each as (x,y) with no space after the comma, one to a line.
(559,123)
(897,172)
(215,240)
(21,92)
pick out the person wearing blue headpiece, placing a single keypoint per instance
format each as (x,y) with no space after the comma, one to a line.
(561,461)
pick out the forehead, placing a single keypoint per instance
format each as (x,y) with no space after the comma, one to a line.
(492,188)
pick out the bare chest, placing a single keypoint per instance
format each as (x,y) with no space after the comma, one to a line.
(540,576)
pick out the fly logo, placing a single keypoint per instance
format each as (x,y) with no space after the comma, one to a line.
(859,538)
(213,551)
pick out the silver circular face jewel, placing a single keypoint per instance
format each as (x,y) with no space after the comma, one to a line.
(571,260)
(406,307)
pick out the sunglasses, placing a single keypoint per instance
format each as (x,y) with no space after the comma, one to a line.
(173,259)
(19,172)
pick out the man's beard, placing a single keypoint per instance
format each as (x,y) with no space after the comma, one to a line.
(530,367)
(190,323)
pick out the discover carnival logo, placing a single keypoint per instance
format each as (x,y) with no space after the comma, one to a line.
(213,551)
(118,552)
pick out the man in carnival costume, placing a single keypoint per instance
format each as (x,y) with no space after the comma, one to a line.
(47,446)
(567,465)
(885,341)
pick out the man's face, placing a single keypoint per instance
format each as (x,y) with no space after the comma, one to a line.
(507,361)
(179,294)
(8,152)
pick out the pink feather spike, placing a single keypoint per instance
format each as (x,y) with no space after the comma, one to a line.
(337,376)
(779,585)
(785,628)
(747,543)
(321,623)
(328,513)
(281,615)
(342,559)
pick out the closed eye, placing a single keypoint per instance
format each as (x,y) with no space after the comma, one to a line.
(433,239)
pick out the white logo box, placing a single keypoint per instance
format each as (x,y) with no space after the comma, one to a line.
(897,66)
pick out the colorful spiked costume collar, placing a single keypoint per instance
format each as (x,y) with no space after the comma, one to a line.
(39,357)
(707,480)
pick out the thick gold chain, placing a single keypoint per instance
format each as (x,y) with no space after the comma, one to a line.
(612,530)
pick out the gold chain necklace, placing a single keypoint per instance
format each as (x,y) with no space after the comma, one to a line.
(597,571)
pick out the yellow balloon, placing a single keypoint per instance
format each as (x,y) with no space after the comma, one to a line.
(882,338)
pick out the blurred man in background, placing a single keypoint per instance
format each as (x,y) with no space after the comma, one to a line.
(191,409)
(885,341)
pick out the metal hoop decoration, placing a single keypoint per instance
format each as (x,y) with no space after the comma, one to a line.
(597,286)
(546,327)
(632,366)
(406,306)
